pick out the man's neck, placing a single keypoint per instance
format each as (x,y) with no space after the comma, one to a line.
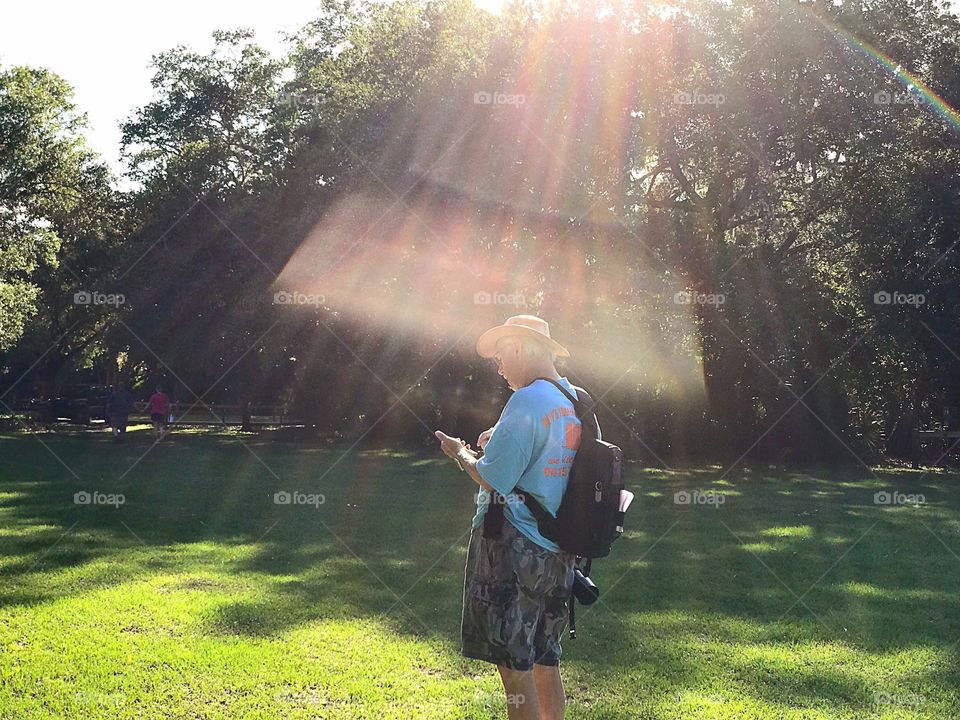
(548,371)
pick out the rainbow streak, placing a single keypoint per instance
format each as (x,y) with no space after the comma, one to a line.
(914,85)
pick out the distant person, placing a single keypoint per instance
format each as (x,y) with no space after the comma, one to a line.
(159,411)
(118,410)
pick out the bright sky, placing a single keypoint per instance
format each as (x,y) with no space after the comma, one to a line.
(103,47)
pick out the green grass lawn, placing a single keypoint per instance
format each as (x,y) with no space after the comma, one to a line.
(199,597)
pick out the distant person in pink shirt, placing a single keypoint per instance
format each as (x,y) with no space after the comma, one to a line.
(159,410)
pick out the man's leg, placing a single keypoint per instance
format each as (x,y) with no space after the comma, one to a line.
(550,691)
(521,688)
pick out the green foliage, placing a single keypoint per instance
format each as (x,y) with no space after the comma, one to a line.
(44,168)
(206,127)
(795,194)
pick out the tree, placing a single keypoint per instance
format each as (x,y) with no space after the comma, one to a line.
(45,171)
(206,128)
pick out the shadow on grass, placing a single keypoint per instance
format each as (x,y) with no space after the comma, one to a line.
(784,560)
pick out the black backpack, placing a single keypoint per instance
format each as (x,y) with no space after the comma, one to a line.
(589,518)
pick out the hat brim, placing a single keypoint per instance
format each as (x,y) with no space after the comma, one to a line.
(487,343)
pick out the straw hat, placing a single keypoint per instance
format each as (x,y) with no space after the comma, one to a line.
(519,326)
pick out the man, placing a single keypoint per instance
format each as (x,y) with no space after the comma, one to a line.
(159,409)
(118,410)
(517,583)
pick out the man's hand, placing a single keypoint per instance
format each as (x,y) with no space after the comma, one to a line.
(465,457)
(484,438)
(451,446)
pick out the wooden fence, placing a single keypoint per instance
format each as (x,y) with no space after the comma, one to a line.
(181,414)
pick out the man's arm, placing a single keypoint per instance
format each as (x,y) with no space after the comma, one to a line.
(468,462)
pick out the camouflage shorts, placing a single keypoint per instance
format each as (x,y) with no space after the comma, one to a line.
(514,600)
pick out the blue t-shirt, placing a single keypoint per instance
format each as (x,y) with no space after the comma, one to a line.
(531,449)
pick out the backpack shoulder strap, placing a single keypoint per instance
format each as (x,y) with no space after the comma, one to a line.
(562,389)
(584,400)
(546,523)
